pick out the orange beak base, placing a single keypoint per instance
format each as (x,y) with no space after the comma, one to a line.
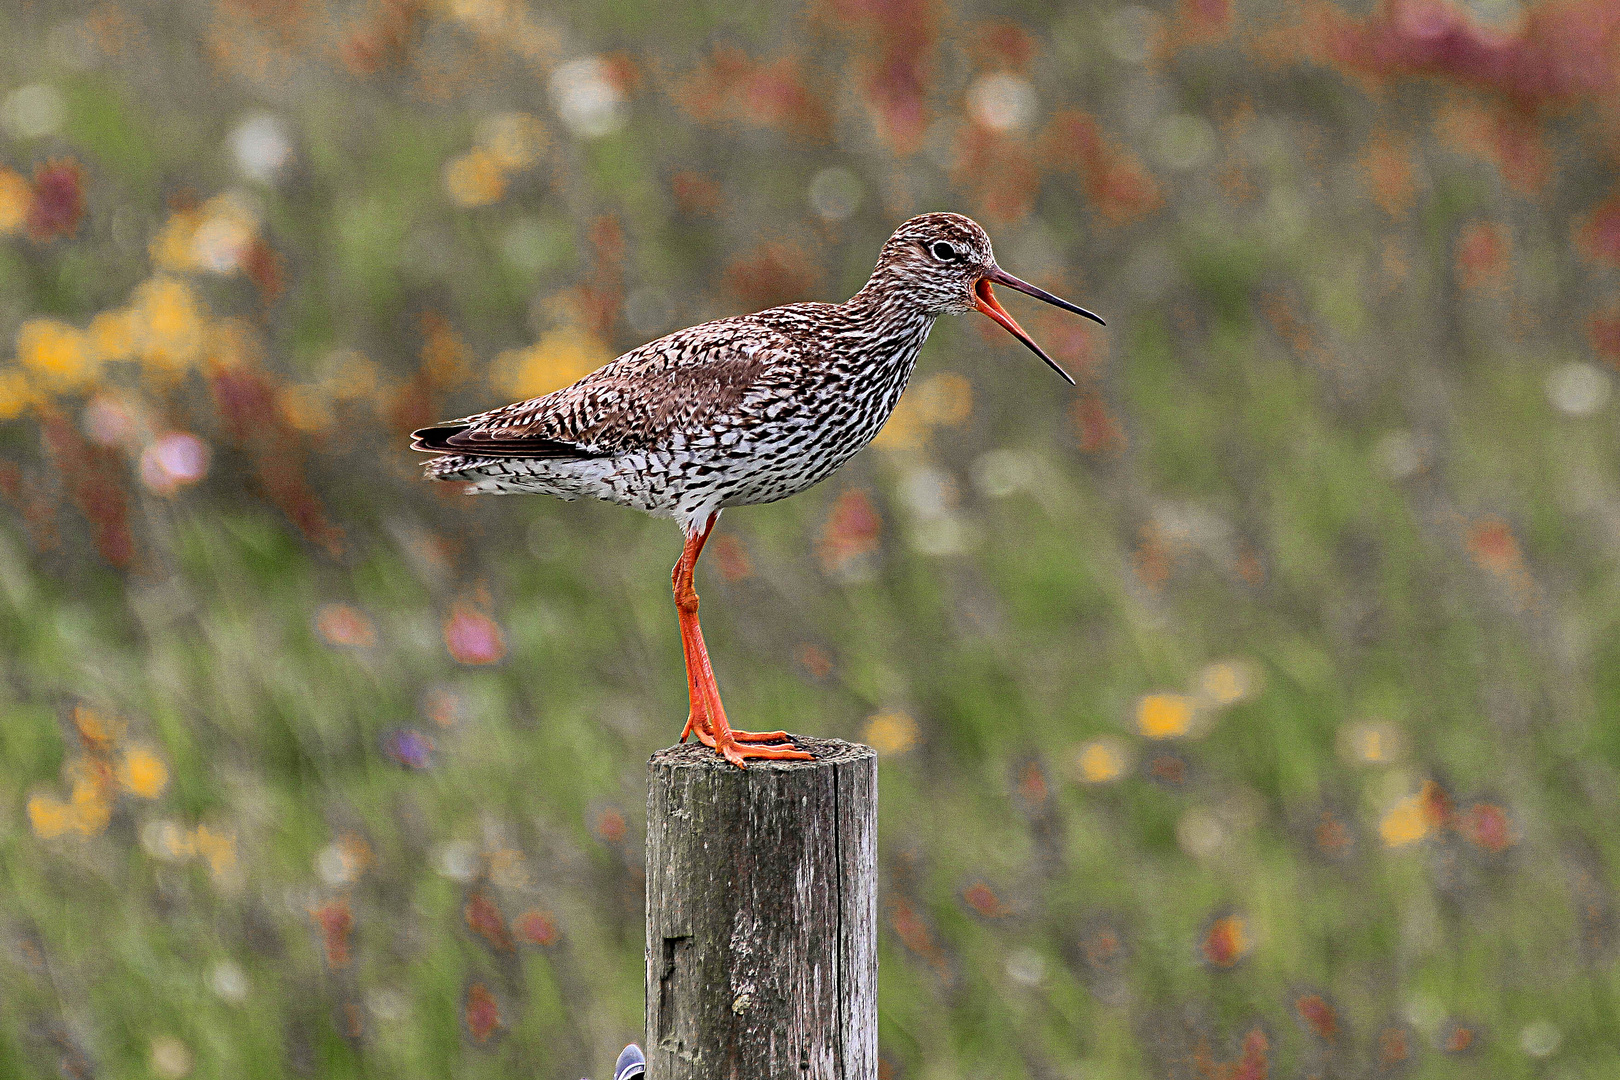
(985,301)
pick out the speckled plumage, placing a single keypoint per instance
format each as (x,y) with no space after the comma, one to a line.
(734,412)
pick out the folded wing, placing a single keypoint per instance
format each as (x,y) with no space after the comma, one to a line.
(679,384)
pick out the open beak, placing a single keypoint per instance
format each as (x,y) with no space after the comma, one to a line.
(986,302)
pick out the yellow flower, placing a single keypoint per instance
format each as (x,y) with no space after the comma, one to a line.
(143,773)
(891,732)
(97,727)
(17,394)
(55,352)
(1406,823)
(112,335)
(15,196)
(171,324)
(91,807)
(559,358)
(1164,716)
(477,178)
(1101,760)
(49,816)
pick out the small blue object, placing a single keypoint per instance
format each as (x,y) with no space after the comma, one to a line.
(630,1063)
(409,748)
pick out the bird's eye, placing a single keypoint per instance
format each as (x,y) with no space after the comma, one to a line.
(943,251)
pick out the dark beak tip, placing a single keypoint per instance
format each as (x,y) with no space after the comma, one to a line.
(1000,276)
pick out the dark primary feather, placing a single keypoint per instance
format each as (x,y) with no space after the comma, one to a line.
(460,439)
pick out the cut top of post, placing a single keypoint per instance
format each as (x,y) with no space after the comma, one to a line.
(694,755)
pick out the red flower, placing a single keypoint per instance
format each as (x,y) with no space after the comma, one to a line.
(536,927)
(336,921)
(58,201)
(485,920)
(1318,1015)
(481,1012)
(473,637)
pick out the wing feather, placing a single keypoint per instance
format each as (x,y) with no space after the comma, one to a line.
(678,385)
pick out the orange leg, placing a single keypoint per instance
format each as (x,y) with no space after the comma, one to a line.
(707,718)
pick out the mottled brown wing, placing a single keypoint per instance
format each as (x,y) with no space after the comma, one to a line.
(677,384)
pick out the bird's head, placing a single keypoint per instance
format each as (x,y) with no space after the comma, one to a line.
(943,264)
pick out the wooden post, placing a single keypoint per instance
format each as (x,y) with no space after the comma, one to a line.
(762,915)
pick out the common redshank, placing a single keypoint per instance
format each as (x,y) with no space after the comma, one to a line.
(736,412)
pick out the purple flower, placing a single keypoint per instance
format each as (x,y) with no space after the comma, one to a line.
(410,748)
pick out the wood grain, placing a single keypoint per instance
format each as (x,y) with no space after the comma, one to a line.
(762,916)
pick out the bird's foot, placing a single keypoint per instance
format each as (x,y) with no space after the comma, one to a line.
(738,746)
(737,752)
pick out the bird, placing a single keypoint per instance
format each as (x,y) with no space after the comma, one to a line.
(738,411)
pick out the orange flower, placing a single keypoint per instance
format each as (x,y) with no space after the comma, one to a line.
(1487,826)
(1598,236)
(610,826)
(695,194)
(1394,1048)
(15,196)
(814,660)
(1226,941)
(477,178)
(1101,760)
(49,816)
(344,625)
(218,847)
(1386,167)
(890,733)
(1493,546)
(732,558)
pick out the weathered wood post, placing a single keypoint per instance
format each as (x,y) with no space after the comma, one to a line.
(762,915)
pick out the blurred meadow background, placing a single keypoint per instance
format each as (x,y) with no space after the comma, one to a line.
(1248,712)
